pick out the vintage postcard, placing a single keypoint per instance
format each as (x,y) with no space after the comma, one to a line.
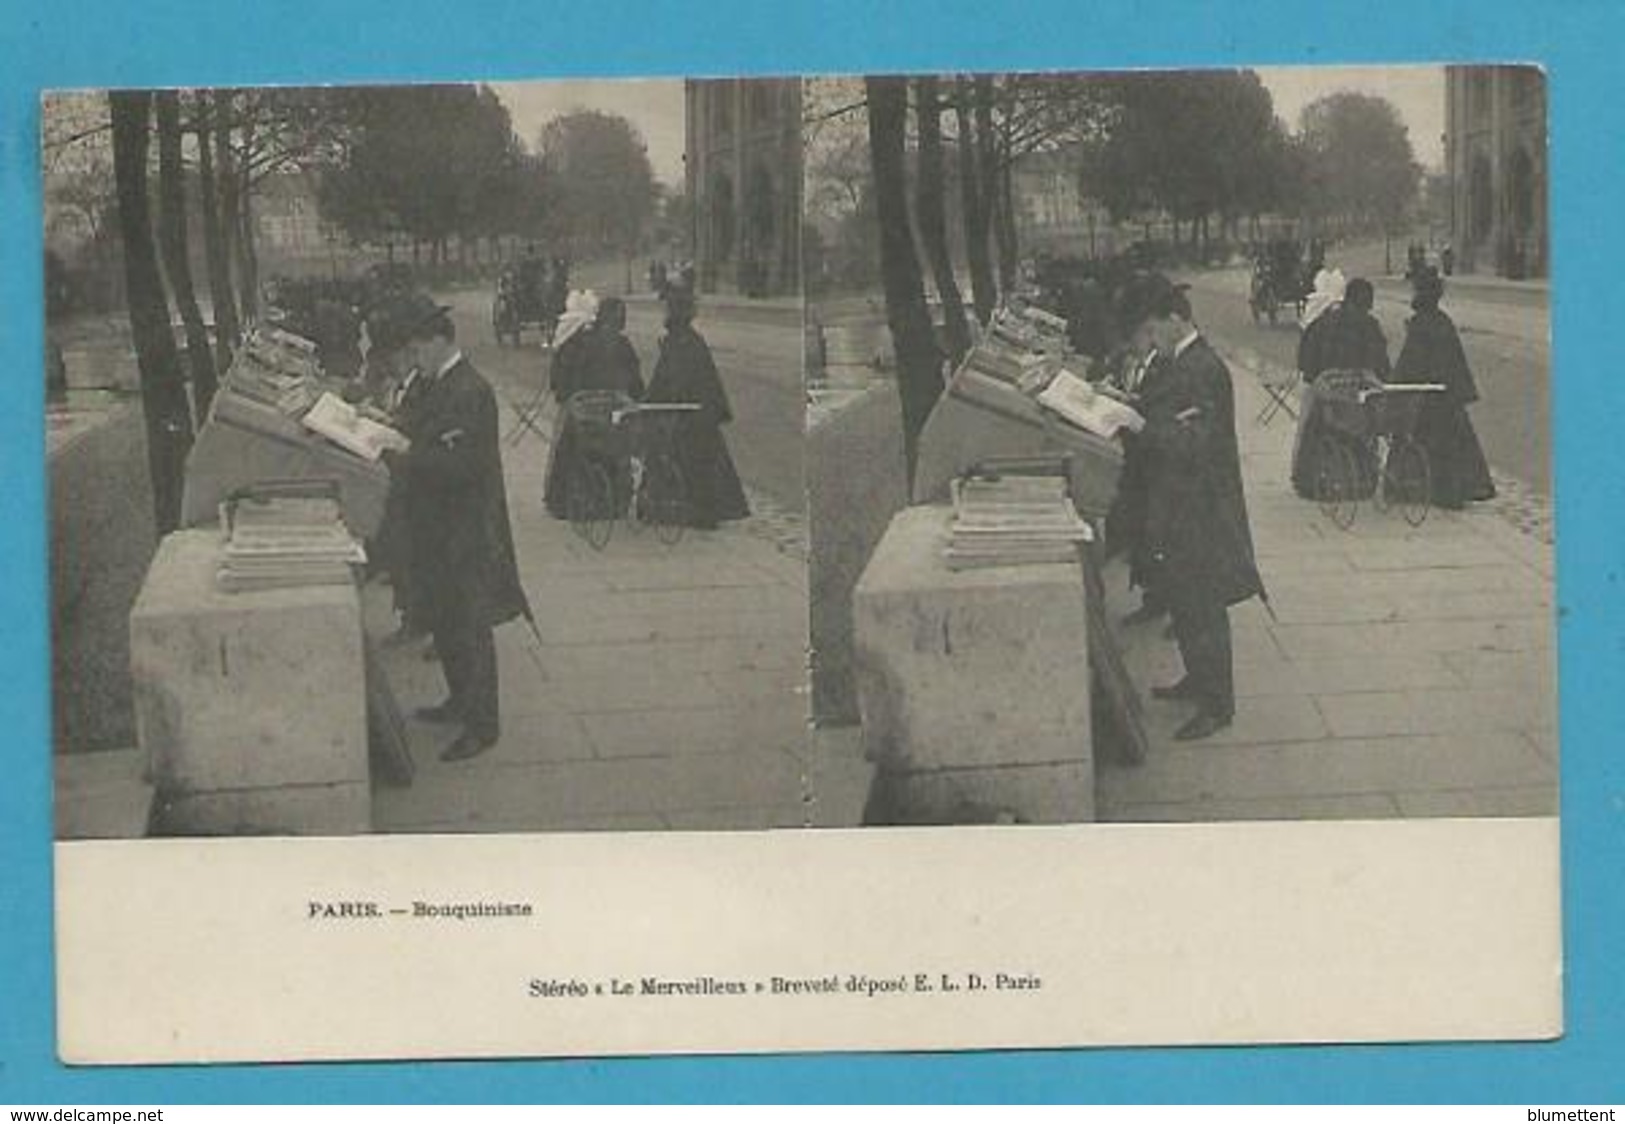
(735,565)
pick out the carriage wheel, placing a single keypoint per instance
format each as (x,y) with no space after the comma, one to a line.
(590,503)
(1407,480)
(1336,482)
(663,499)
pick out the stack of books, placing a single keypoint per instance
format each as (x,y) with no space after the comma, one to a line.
(1033,329)
(276,369)
(1013,521)
(1019,367)
(286,542)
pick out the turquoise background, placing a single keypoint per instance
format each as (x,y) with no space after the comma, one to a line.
(97,43)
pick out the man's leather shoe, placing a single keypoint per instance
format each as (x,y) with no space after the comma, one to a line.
(440,712)
(1204,725)
(1184,689)
(466,746)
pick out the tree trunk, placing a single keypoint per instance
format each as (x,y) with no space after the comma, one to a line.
(919,363)
(250,279)
(215,254)
(225,172)
(931,211)
(177,262)
(1004,226)
(987,165)
(984,292)
(163,388)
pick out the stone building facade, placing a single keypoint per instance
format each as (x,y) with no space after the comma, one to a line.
(1495,152)
(743,170)
(1053,215)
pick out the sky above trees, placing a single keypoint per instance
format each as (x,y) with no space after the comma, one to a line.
(654,106)
(1417,92)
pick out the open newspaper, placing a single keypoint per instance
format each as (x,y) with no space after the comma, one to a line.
(1074,400)
(345,426)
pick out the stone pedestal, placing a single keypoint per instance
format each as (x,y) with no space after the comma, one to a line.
(251,707)
(974,686)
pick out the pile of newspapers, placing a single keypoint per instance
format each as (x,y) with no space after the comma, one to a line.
(285,541)
(1013,520)
(277,369)
(1025,348)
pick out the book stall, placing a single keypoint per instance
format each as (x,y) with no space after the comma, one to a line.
(985,662)
(273,419)
(259,706)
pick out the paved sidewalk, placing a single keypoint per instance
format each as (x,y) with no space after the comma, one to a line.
(1405,672)
(668,690)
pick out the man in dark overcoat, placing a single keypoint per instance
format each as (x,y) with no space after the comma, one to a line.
(460,541)
(1196,537)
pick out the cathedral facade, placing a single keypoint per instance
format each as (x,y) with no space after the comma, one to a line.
(742,173)
(1495,149)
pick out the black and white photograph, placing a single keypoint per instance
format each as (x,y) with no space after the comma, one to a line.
(426,458)
(667,566)
(1180,445)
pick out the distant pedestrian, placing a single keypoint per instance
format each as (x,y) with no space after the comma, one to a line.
(686,373)
(1197,539)
(1432,352)
(337,326)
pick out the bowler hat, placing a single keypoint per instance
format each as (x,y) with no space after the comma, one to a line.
(418,314)
(1148,296)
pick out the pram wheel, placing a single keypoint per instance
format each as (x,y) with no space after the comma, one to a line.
(663,499)
(590,503)
(1336,482)
(1407,480)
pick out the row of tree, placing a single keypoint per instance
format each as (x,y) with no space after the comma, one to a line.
(1189,147)
(229,144)
(438,165)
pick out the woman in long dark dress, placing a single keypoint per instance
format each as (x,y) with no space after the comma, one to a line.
(1433,353)
(686,373)
(1346,338)
(573,349)
(594,357)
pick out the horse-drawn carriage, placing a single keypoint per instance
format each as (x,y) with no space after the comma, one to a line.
(527,296)
(1280,280)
